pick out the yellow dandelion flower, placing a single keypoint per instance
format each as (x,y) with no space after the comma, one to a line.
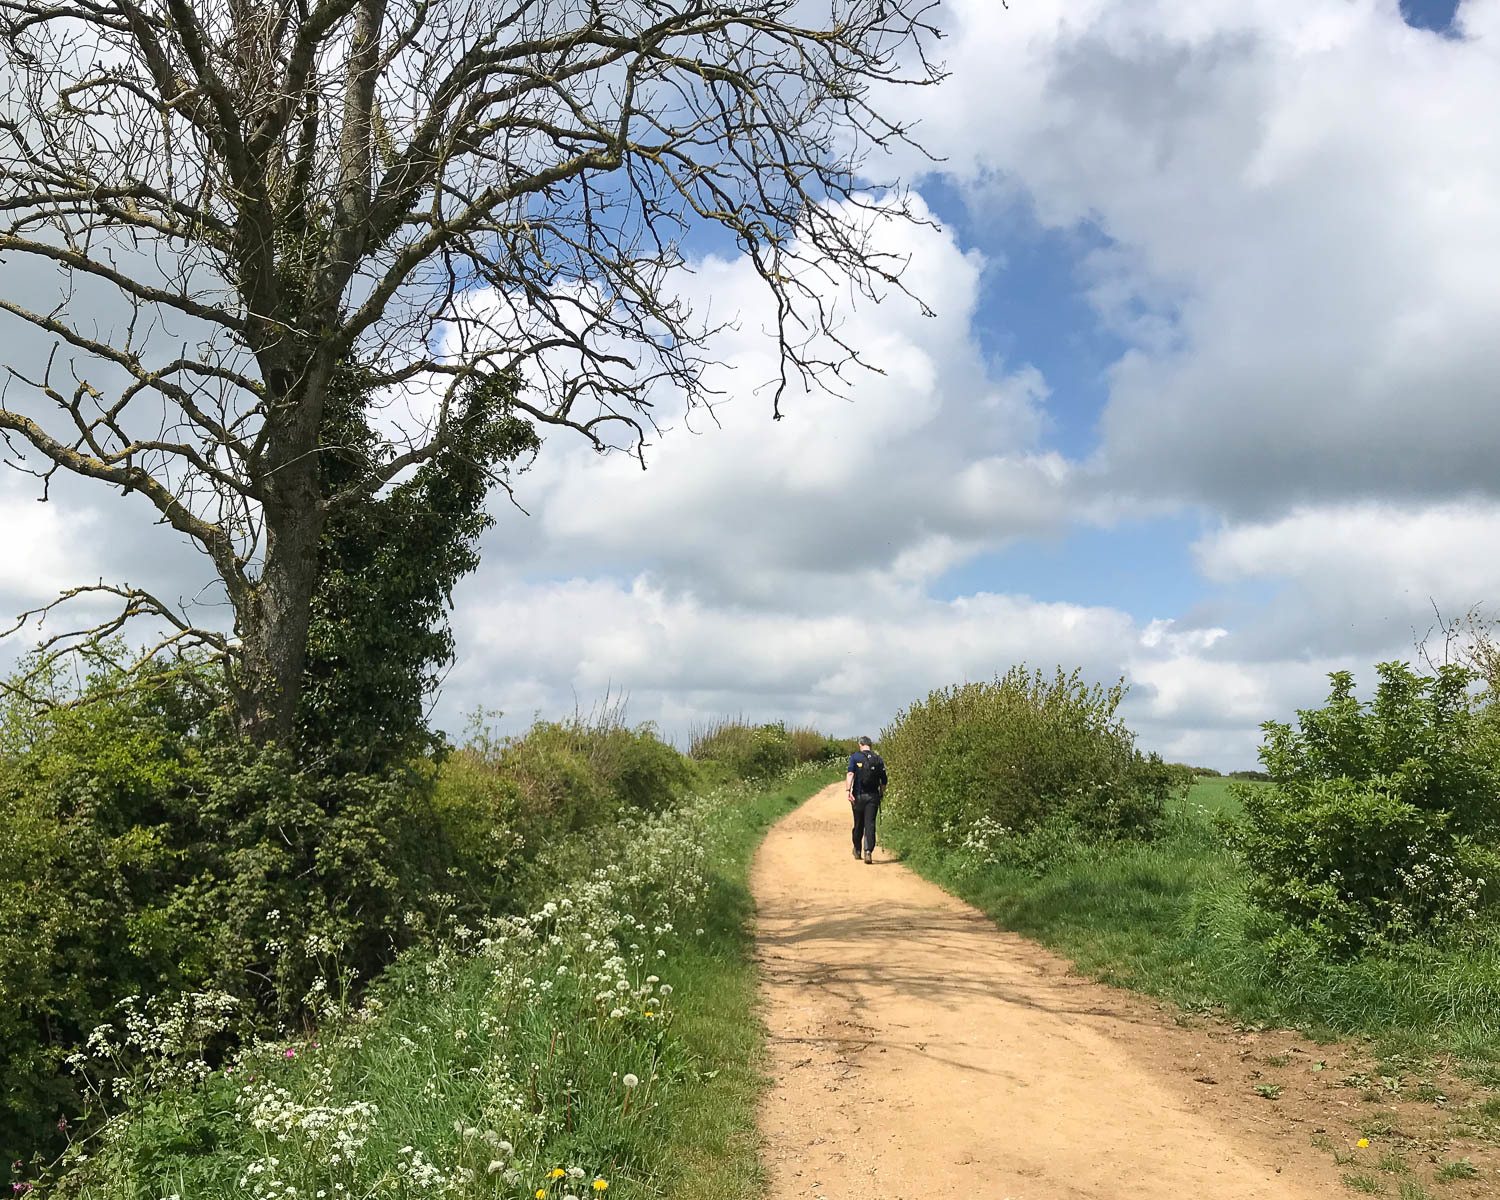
(557,1173)
(600,1184)
(1363,1143)
(541,1194)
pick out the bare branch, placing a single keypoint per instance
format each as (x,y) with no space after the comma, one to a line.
(422,192)
(95,641)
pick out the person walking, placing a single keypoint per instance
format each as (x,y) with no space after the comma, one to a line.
(865,784)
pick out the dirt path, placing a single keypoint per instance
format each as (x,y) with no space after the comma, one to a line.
(918,1052)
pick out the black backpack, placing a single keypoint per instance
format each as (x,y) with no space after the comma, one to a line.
(869,773)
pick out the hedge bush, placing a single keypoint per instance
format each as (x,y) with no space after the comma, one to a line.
(1381,821)
(144,850)
(1019,752)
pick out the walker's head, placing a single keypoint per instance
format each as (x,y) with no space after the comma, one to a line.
(864,743)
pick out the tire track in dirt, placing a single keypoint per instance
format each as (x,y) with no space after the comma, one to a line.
(919,1052)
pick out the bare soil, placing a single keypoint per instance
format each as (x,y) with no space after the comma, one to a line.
(918,1052)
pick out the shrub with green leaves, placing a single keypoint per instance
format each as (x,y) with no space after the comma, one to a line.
(146,850)
(1019,752)
(1381,821)
(500,800)
(535,1055)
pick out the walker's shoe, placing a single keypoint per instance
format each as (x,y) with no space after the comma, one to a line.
(869,858)
(856,853)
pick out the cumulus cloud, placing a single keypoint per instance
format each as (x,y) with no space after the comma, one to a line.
(1297,204)
(1372,579)
(681,659)
(929,457)
(39,545)
(1302,203)
(548,647)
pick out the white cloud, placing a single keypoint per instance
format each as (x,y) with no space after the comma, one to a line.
(1367,579)
(1302,205)
(1373,548)
(40,545)
(552,646)
(1303,200)
(917,467)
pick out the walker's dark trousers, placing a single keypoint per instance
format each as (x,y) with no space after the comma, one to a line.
(866,809)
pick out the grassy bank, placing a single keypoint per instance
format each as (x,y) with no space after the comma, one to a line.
(710,1144)
(602,1044)
(1170,917)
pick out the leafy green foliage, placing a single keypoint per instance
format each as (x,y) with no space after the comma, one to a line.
(495,1065)
(83,858)
(379,636)
(1381,819)
(501,801)
(144,850)
(762,751)
(1022,752)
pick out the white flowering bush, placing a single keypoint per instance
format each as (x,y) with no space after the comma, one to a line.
(526,1057)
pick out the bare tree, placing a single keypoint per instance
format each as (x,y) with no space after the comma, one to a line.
(441,191)
(1471,641)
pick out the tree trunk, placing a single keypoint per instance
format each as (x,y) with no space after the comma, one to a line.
(273,624)
(273,632)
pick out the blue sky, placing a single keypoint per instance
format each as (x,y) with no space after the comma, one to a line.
(1436,15)
(1033,307)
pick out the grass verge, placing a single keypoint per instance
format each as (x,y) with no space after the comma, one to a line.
(710,1148)
(542,1056)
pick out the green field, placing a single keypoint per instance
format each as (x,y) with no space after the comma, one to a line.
(1212,795)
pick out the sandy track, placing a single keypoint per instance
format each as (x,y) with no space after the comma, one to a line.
(919,1052)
